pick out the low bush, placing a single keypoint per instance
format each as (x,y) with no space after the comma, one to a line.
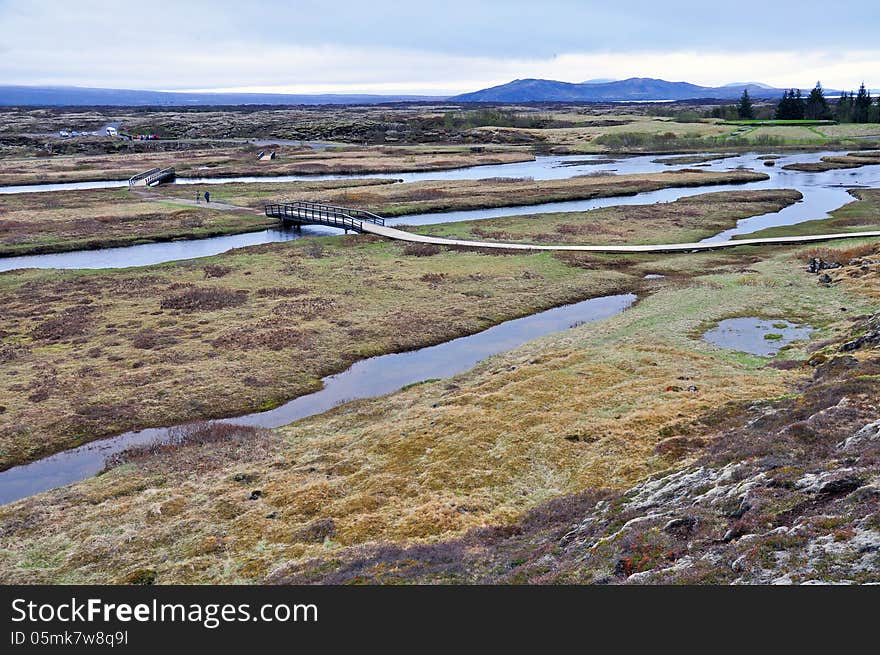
(421,249)
(204,299)
(182,436)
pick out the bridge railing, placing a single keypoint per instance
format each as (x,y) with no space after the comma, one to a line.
(336,210)
(134,179)
(151,176)
(316,213)
(159,175)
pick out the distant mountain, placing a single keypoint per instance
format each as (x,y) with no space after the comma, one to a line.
(742,84)
(599,80)
(634,88)
(79,96)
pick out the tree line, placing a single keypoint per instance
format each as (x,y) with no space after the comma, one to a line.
(850,107)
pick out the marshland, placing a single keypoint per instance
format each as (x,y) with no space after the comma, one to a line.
(566,454)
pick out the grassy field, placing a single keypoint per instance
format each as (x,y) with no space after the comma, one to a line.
(33,223)
(528,440)
(861,215)
(598,406)
(221,327)
(691,218)
(849,130)
(233,161)
(71,220)
(779,122)
(449,195)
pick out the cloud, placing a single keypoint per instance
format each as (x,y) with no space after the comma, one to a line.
(384,46)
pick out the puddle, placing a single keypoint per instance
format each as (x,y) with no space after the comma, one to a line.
(757,336)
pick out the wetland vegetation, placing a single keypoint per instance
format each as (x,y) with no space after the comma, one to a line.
(607,452)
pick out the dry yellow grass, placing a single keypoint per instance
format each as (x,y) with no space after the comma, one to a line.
(590,407)
(446,195)
(234,161)
(100,218)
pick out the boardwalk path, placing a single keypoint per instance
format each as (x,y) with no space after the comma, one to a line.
(309,213)
(402,235)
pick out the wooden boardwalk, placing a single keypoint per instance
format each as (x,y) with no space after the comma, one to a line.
(300,213)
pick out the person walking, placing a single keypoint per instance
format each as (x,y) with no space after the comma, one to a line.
(207,197)
(198,197)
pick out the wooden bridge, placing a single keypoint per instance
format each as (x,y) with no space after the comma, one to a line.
(311,213)
(151,177)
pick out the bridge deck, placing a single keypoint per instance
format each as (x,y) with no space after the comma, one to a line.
(151,177)
(312,213)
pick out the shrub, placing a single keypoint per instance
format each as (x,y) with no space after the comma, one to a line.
(433,278)
(840,256)
(182,436)
(204,299)
(421,249)
(71,322)
(314,249)
(281,292)
(149,339)
(215,270)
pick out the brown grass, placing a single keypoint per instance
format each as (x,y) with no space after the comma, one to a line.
(204,299)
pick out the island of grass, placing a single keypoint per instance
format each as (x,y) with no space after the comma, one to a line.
(98,218)
(257,326)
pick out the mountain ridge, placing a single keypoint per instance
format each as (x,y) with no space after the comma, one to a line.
(632,89)
(21,95)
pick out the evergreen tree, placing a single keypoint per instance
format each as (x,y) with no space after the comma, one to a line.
(792,106)
(798,106)
(817,105)
(744,109)
(844,108)
(861,107)
(783,108)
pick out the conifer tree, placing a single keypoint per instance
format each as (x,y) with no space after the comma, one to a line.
(798,106)
(844,107)
(817,105)
(792,106)
(861,107)
(782,109)
(744,109)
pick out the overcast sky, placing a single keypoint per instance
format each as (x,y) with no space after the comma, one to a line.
(444,47)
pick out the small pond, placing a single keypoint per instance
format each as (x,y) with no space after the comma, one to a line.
(757,336)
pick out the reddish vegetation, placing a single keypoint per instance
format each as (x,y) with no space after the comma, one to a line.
(421,249)
(192,434)
(204,299)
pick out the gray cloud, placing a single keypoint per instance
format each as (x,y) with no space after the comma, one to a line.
(438,47)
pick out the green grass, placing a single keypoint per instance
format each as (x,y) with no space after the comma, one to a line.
(778,122)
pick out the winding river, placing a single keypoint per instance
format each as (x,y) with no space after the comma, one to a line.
(823,192)
(368,378)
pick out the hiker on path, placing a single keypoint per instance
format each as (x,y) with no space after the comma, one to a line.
(198,197)
(207,197)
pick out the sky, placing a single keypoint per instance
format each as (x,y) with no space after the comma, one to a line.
(437,48)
